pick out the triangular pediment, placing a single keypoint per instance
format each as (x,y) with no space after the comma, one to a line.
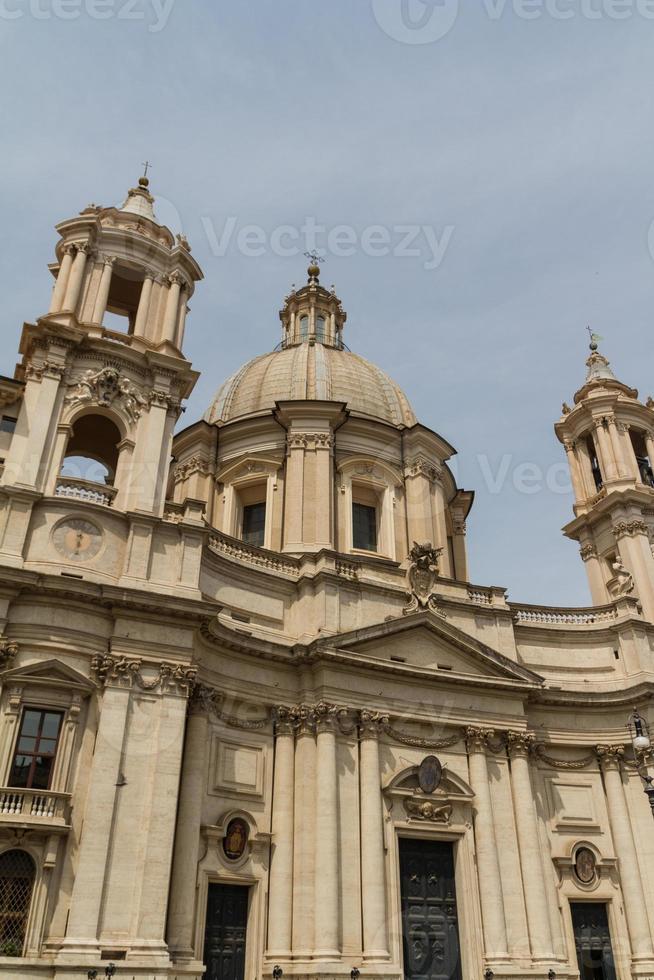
(427,642)
(48,673)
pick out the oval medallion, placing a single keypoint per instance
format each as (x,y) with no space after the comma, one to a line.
(236,838)
(430,774)
(585,865)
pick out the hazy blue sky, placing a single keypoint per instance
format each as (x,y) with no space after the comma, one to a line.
(522,139)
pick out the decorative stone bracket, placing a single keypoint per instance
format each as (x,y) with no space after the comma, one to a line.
(8,652)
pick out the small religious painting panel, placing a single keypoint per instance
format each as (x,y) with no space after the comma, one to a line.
(236,839)
(430,773)
(585,866)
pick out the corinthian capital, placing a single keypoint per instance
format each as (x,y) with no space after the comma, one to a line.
(326,716)
(610,756)
(477,738)
(304,716)
(284,720)
(520,743)
(372,724)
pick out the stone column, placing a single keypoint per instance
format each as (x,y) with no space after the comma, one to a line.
(488,865)
(373,878)
(327,876)
(596,579)
(632,538)
(89,888)
(585,468)
(418,476)
(649,442)
(172,308)
(100,307)
(151,457)
(304,838)
(575,471)
(141,321)
(538,921)
(280,903)
(25,463)
(459,546)
(61,283)
(294,492)
(628,453)
(625,848)
(74,285)
(323,534)
(605,451)
(623,469)
(181,915)
(181,323)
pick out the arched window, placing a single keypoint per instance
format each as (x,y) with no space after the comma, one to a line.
(320,329)
(304,328)
(594,463)
(17,873)
(92,450)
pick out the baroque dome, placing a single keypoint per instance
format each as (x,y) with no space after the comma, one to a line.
(311,371)
(311,364)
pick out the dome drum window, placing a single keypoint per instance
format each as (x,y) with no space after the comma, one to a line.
(365,504)
(248,501)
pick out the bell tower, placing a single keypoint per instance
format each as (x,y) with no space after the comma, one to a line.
(609,439)
(103,372)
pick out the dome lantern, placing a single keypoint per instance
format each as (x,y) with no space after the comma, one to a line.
(313,314)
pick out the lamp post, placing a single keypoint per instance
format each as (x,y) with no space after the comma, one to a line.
(639,731)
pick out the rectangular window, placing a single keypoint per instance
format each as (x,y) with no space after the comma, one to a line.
(7,424)
(254,524)
(36,749)
(364,527)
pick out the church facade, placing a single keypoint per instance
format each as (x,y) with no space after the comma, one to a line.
(255,720)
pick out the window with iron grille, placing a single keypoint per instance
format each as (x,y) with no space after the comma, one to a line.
(17,873)
(36,748)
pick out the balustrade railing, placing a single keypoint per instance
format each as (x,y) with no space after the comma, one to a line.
(93,493)
(29,804)
(549,616)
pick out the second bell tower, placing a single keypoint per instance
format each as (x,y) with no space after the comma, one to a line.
(609,440)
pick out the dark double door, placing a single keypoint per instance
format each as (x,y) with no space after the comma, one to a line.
(430,933)
(224,938)
(592,941)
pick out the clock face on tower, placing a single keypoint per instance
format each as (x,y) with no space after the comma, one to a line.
(77,539)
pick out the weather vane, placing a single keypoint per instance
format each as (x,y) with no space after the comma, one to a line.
(594,338)
(147,166)
(314,257)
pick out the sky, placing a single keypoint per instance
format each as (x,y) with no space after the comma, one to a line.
(479,179)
